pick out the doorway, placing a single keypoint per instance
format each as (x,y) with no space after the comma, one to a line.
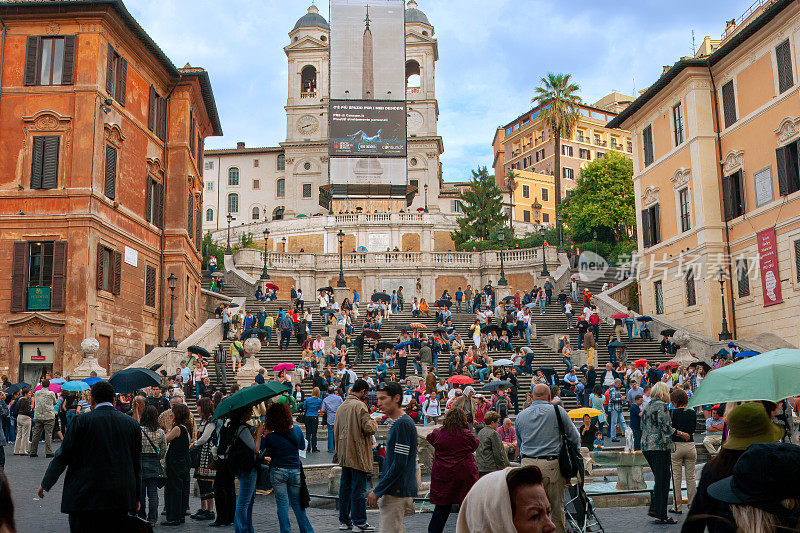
(36,359)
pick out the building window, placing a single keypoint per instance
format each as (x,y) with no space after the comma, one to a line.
(38,276)
(255,163)
(256,184)
(783,57)
(209,165)
(683,202)
(677,123)
(788,175)
(306,190)
(280,188)
(277,214)
(658,291)
(526,216)
(150,286)
(647,145)
(111,172)
(209,185)
(691,295)
(413,78)
(50,60)
(116,75)
(308,82)
(566,150)
(154,203)
(568,173)
(797,259)
(209,215)
(44,162)
(742,277)
(600,155)
(233,203)
(526,191)
(456,207)
(157,115)
(733,195)
(545,195)
(281,162)
(584,153)
(545,217)
(414,183)
(651,226)
(109,269)
(256,213)
(630,147)
(233,176)
(40,264)
(728,104)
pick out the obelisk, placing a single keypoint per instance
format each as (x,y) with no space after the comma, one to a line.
(367,74)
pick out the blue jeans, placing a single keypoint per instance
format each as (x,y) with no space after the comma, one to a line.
(243,518)
(629,326)
(352,496)
(286,482)
(331,442)
(568,362)
(541,307)
(481,373)
(527,333)
(616,416)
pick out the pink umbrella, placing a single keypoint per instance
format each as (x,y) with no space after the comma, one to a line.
(55,387)
(283,366)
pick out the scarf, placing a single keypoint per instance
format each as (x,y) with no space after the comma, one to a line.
(487,506)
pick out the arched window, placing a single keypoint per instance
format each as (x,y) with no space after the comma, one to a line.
(233,176)
(413,79)
(233,203)
(280,188)
(308,82)
(281,162)
(278,213)
(255,214)
(209,215)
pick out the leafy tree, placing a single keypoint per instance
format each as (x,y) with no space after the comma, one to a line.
(603,202)
(511,183)
(560,100)
(483,208)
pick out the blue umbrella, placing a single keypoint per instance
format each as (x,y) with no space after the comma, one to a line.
(746,353)
(75,386)
(531,305)
(402,345)
(92,380)
(58,381)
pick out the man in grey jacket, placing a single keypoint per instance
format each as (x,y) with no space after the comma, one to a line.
(490,455)
(425,356)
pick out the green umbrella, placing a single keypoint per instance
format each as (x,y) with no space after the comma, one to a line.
(249,396)
(772,376)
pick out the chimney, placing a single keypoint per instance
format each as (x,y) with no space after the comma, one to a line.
(730,25)
(665,68)
(240,145)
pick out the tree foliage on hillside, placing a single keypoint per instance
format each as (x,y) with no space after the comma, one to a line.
(603,202)
(482,204)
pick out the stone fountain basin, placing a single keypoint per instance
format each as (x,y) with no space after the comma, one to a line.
(617,458)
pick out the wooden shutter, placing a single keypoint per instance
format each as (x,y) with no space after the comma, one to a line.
(33,57)
(50,162)
(117,272)
(161,118)
(728,104)
(122,79)
(645,228)
(739,196)
(198,228)
(19,277)
(159,215)
(150,286)
(655,228)
(796,259)
(111,172)
(200,152)
(783,58)
(647,145)
(192,134)
(100,251)
(148,199)
(37,156)
(742,279)
(68,69)
(58,287)
(151,109)
(190,215)
(781,156)
(110,71)
(727,197)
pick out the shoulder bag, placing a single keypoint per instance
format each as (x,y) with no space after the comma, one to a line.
(161,480)
(570,460)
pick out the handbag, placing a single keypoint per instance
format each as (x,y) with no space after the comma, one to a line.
(304,496)
(570,460)
(161,480)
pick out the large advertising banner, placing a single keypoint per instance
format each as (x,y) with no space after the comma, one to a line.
(768,264)
(368,49)
(368,170)
(367,128)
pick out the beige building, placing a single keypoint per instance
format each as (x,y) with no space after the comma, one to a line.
(717,185)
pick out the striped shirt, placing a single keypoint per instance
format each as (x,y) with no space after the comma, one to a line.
(399,475)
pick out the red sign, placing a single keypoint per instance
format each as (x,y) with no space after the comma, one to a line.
(768,263)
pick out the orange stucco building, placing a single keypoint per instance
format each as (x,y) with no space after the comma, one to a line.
(101,141)
(717,185)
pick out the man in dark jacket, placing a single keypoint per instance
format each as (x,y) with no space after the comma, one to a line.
(101,453)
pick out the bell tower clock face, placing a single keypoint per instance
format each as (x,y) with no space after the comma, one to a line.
(307,124)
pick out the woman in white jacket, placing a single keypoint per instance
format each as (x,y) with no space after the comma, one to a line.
(431,408)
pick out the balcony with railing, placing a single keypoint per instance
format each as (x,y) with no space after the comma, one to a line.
(308,94)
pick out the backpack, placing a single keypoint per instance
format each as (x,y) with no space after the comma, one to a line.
(239,456)
(15,408)
(4,412)
(502,407)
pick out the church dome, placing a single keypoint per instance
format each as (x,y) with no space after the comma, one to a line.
(415,15)
(313,19)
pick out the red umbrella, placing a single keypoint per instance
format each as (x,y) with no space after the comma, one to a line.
(619,316)
(668,365)
(272,287)
(283,366)
(418,325)
(640,362)
(458,379)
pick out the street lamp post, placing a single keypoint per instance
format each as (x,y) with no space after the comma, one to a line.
(172,281)
(426,197)
(341,282)
(228,250)
(283,241)
(725,335)
(594,236)
(545,272)
(501,236)
(264,273)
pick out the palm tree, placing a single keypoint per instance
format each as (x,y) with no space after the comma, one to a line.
(511,183)
(559,100)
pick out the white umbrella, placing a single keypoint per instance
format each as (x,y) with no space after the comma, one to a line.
(503,362)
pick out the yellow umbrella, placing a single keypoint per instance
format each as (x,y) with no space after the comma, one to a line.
(579,413)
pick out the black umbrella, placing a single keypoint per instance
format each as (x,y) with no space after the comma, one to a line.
(133,379)
(705,365)
(17,387)
(494,385)
(444,303)
(549,372)
(644,318)
(383,345)
(616,344)
(440,330)
(488,328)
(403,328)
(253,332)
(199,350)
(669,332)
(381,297)
(509,298)
(329,289)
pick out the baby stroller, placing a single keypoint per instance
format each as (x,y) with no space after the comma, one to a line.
(579,511)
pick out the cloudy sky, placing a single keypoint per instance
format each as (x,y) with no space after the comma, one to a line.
(492,54)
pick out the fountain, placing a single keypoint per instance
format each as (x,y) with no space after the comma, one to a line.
(629,464)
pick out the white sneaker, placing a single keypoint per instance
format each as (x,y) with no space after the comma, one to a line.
(363,527)
(344,527)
